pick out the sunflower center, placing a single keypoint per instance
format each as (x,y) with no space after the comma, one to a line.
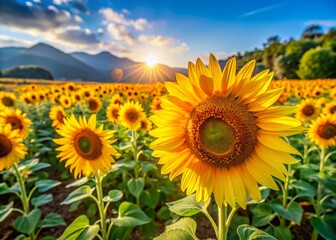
(132,116)
(216,136)
(93,105)
(327,131)
(221,132)
(308,110)
(115,113)
(5,146)
(333,110)
(88,144)
(60,117)
(7,101)
(14,122)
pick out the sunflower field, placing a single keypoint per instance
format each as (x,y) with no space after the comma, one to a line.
(218,154)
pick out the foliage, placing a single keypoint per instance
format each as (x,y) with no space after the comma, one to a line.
(33,72)
(318,63)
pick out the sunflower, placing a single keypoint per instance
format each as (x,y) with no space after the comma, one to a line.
(116,99)
(86,148)
(17,120)
(7,99)
(322,131)
(130,115)
(65,101)
(112,112)
(11,147)
(57,116)
(94,104)
(330,108)
(218,129)
(308,110)
(146,125)
(76,97)
(156,104)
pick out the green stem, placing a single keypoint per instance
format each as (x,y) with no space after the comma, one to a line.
(305,154)
(222,218)
(319,191)
(101,207)
(212,222)
(23,195)
(135,156)
(285,195)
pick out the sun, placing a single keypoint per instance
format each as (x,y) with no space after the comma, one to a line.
(151,60)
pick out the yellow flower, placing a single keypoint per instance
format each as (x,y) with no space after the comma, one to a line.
(94,104)
(65,101)
(322,131)
(57,115)
(130,115)
(112,112)
(17,120)
(218,129)
(308,110)
(7,99)
(85,148)
(11,147)
(330,108)
(146,125)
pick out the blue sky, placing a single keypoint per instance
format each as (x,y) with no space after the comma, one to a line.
(174,31)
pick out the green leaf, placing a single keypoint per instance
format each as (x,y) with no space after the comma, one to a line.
(150,197)
(52,220)
(292,213)
(22,237)
(264,194)
(78,194)
(147,167)
(4,188)
(236,221)
(5,211)
(325,226)
(185,228)
(262,215)
(40,166)
(163,213)
(188,206)
(27,223)
(42,200)
(46,184)
(175,234)
(113,196)
(136,186)
(327,181)
(78,182)
(304,189)
(130,215)
(282,233)
(80,229)
(247,232)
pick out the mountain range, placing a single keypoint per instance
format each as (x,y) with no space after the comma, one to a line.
(81,66)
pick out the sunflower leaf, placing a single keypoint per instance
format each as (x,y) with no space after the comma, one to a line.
(27,223)
(136,186)
(80,229)
(46,184)
(130,215)
(79,194)
(185,228)
(5,211)
(188,206)
(247,232)
(325,226)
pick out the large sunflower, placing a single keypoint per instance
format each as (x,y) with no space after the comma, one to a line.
(131,114)
(94,104)
(322,131)
(84,147)
(7,99)
(11,147)
(17,120)
(217,129)
(57,115)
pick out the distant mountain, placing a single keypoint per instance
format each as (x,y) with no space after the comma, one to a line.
(60,64)
(103,61)
(102,67)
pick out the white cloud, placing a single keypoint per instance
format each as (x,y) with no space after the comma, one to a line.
(59,2)
(120,32)
(37,1)
(78,19)
(183,47)
(323,23)
(112,16)
(100,30)
(6,41)
(158,40)
(29,4)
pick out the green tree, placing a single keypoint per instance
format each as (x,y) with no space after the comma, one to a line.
(312,32)
(272,52)
(285,66)
(28,72)
(318,63)
(300,47)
